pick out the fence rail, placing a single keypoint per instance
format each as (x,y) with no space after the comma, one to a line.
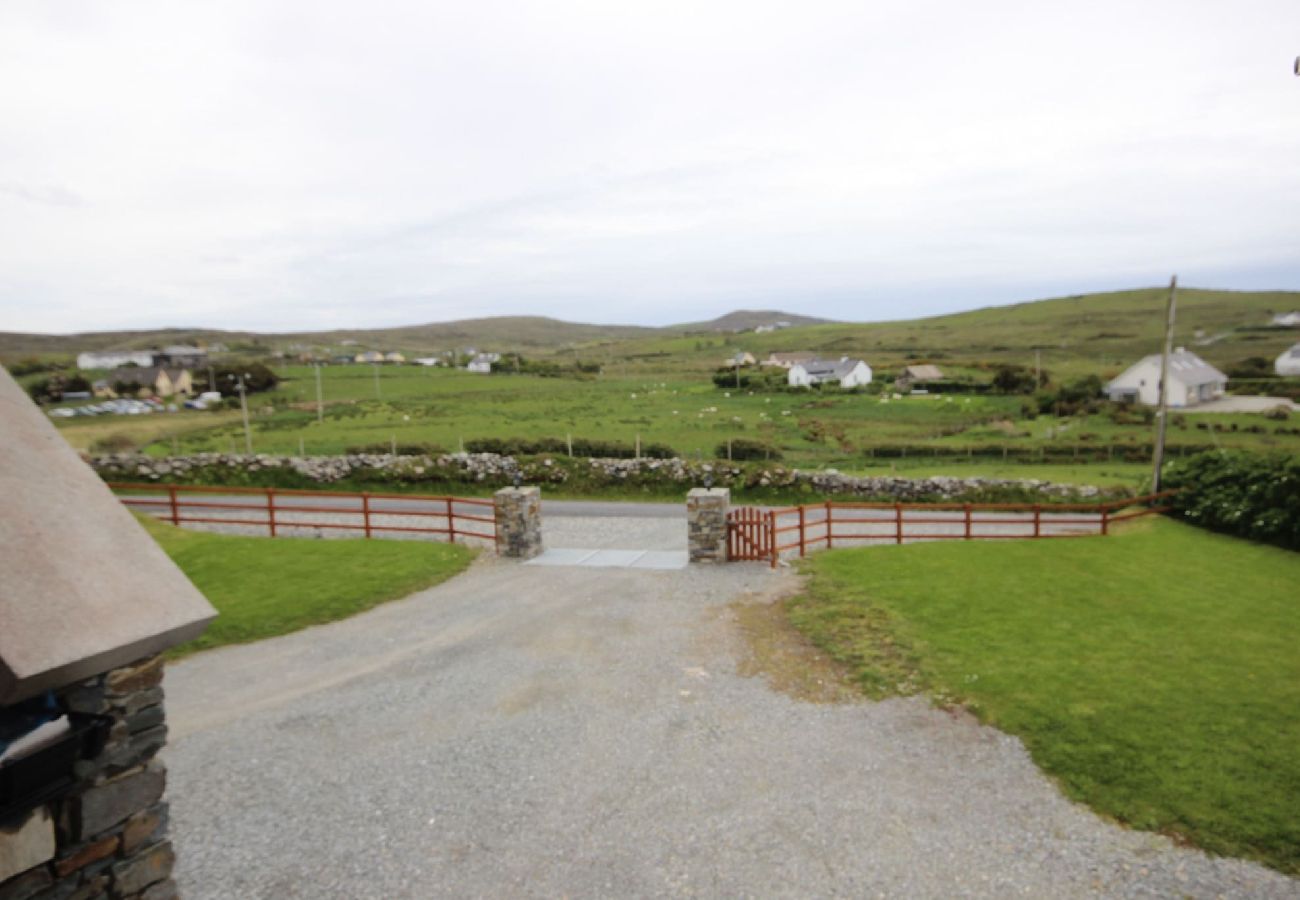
(832,523)
(294,511)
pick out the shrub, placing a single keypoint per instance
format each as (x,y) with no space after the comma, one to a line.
(259,378)
(585,447)
(1278,414)
(746,449)
(1016,380)
(402,449)
(1251,495)
(113,443)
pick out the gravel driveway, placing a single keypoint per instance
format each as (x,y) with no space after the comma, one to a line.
(525,731)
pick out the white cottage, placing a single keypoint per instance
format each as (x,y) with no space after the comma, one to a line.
(847,373)
(1191,381)
(1289,362)
(482,364)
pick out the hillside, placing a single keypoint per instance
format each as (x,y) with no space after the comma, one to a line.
(748,320)
(1093,333)
(494,333)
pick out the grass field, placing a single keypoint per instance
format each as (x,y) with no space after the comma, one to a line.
(263,587)
(1153,673)
(411,405)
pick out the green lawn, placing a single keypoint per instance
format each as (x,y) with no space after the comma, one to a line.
(1155,673)
(262,587)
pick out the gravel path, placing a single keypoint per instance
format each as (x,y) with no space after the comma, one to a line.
(524,731)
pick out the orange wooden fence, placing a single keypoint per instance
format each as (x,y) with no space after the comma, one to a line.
(757,534)
(278,510)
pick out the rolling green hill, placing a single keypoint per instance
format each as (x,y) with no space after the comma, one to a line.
(1092,333)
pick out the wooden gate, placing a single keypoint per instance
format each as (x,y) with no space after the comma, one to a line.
(749,534)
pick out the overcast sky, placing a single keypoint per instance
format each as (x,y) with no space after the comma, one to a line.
(318,164)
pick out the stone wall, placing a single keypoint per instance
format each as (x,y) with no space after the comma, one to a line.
(107,838)
(519,522)
(489,469)
(706,524)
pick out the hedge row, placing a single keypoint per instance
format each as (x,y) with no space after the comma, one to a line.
(583,447)
(1251,495)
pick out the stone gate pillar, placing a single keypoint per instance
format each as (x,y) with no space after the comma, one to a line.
(519,522)
(706,524)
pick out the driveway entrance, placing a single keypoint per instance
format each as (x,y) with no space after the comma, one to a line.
(613,535)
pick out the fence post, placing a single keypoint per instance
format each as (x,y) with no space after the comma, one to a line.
(968,521)
(771,536)
(830,521)
(802,539)
(1038,520)
(1105,519)
(365,510)
(898,522)
(270,510)
(171,492)
(451,524)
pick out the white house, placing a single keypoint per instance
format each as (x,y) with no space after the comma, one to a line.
(1289,362)
(427,361)
(1191,381)
(481,364)
(847,373)
(1287,320)
(370,356)
(142,358)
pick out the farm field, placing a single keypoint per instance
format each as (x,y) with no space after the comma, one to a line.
(262,587)
(849,431)
(1153,672)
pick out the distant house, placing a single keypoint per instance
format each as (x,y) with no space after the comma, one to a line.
(914,375)
(114,360)
(481,364)
(157,381)
(786,360)
(847,373)
(394,357)
(181,355)
(370,356)
(1287,320)
(427,361)
(1191,381)
(1289,362)
(741,358)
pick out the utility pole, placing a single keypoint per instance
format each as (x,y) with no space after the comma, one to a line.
(1162,416)
(320,402)
(243,407)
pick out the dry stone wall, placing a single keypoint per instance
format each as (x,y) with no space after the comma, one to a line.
(492,470)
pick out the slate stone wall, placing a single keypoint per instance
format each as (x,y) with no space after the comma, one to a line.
(107,838)
(706,524)
(519,522)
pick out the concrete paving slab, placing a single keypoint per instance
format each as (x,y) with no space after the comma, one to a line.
(612,559)
(562,556)
(662,559)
